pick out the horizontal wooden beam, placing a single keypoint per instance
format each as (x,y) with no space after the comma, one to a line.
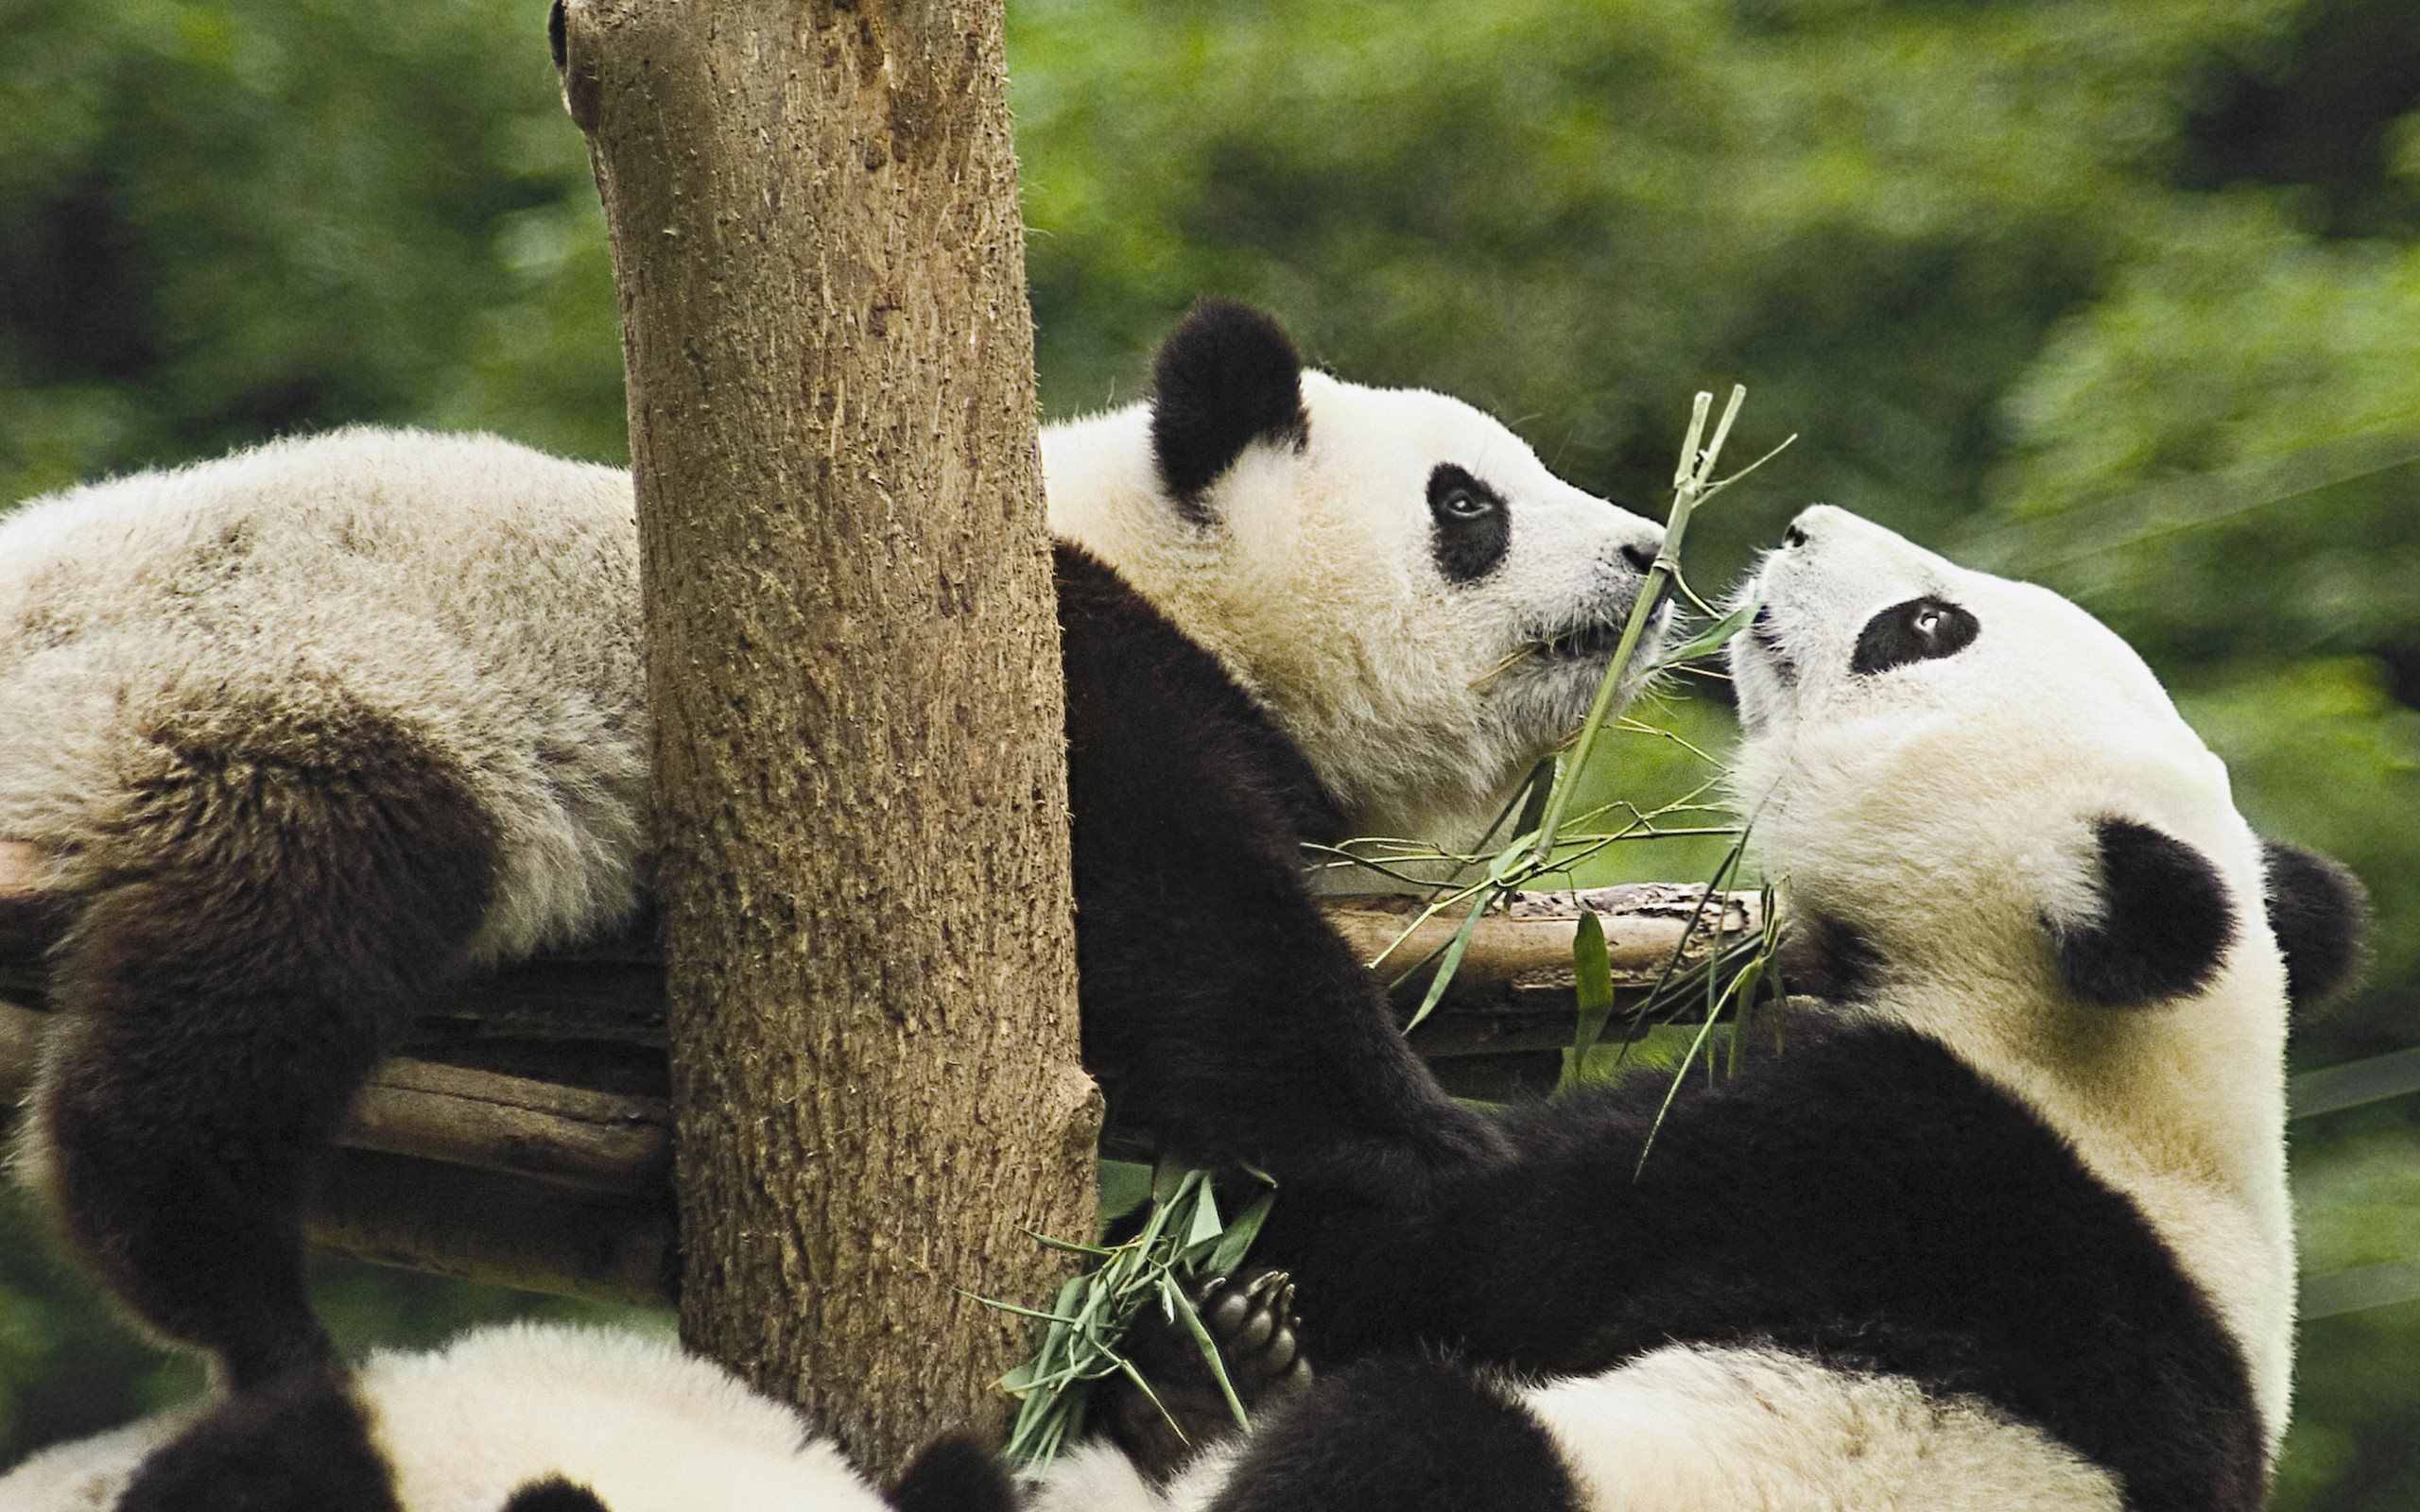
(485,1176)
(484,1225)
(568,1137)
(526,1138)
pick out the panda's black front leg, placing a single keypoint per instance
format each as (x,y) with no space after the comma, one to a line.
(1220,1009)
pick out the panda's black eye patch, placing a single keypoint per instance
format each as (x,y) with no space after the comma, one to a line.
(1470,526)
(1917,630)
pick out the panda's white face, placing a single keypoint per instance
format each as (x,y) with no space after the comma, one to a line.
(1987,796)
(1917,728)
(1403,584)
(1928,748)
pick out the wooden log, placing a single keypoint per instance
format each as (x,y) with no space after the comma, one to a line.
(568,1137)
(526,1138)
(491,1225)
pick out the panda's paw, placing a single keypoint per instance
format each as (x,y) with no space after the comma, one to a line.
(1251,1318)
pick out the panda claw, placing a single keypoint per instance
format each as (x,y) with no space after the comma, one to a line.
(1225,1316)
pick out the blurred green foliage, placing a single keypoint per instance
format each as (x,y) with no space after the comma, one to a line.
(228,218)
(2119,294)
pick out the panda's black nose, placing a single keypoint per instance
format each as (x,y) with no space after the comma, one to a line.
(1642,557)
(1793,537)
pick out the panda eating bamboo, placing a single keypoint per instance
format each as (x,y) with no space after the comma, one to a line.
(1995,1219)
(289,738)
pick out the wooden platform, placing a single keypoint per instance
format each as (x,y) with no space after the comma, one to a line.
(525,1136)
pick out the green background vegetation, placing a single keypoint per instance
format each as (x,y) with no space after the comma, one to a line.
(2123,295)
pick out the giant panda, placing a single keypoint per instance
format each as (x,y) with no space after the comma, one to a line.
(528,1418)
(288,737)
(1993,1216)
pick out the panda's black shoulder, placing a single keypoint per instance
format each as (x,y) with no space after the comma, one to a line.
(1158,729)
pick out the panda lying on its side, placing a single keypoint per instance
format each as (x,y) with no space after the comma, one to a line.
(287,737)
(2001,1223)
(531,1417)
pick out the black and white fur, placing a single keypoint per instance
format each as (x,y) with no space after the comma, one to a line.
(2001,1224)
(288,738)
(531,1417)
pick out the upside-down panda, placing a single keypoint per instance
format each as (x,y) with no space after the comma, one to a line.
(526,1417)
(288,737)
(1993,1217)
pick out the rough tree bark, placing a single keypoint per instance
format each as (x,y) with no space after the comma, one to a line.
(854,674)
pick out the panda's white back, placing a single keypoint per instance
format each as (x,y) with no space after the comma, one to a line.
(1687,1428)
(480,595)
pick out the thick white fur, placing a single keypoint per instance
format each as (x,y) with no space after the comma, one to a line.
(476,591)
(1097,1478)
(1896,803)
(645,1426)
(485,597)
(1698,1429)
(1690,1429)
(88,1474)
(1316,586)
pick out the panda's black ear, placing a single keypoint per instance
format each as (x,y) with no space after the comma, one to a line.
(2163,926)
(2319,913)
(1227,376)
(954,1473)
(554,1494)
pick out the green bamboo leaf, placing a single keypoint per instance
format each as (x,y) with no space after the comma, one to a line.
(1239,1235)
(1067,1245)
(1021,1312)
(1066,1304)
(1451,962)
(1205,1226)
(1170,1177)
(1126,1369)
(1592,971)
(1709,640)
(1125,1185)
(1743,987)
(1209,1348)
(1534,806)
(1166,1198)
(1513,859)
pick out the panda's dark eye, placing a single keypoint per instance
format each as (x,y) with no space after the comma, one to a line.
(1470,528)
(1920,629)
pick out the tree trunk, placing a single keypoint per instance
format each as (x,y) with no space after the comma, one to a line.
(854,675)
